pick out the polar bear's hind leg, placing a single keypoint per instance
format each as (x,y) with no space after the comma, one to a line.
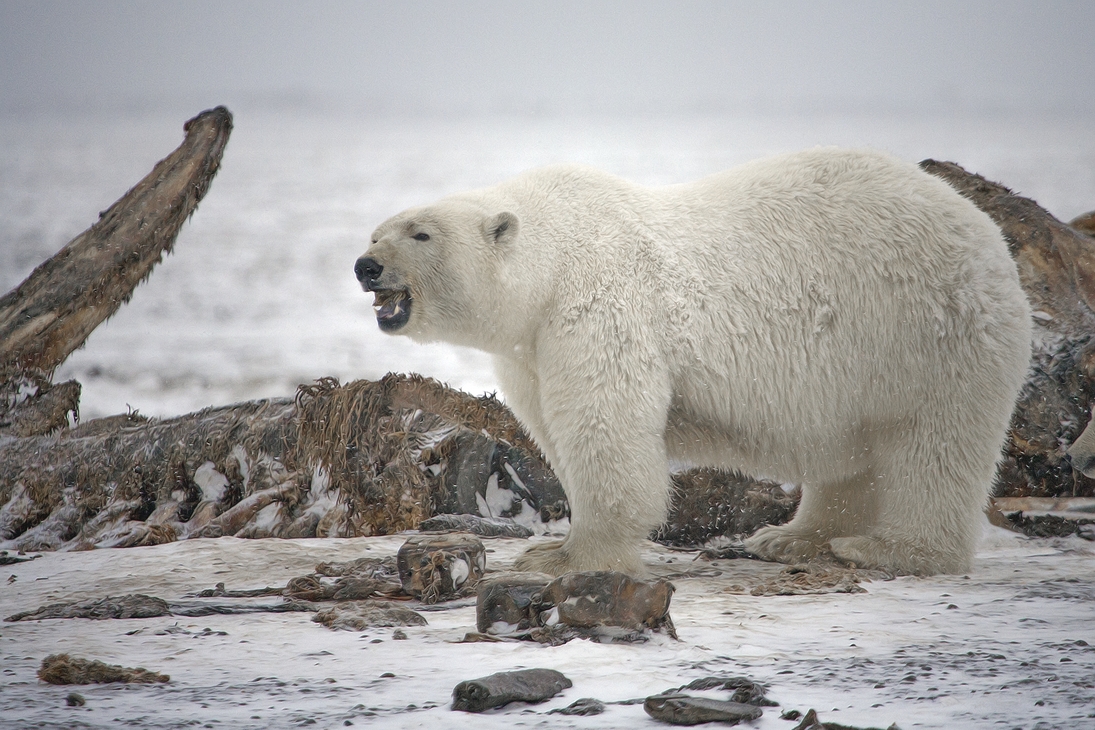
(930,504)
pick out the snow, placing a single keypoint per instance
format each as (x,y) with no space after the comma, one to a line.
(260,296)
(970,651)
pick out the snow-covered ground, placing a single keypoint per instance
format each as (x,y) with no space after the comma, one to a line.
(1010,645)
(260,296)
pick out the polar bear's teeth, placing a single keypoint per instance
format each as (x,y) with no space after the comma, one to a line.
(397,310)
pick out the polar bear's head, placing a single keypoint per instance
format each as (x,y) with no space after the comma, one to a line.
(432,269)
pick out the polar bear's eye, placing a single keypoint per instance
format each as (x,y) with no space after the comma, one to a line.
(421,236)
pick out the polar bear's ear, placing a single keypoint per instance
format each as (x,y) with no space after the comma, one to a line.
(501,228)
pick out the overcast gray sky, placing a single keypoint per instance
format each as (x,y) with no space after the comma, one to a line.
(553,57)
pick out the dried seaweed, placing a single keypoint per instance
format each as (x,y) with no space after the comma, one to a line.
(65,669)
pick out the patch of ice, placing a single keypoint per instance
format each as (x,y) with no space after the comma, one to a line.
(460,572)
(268,516)
(551,618)
(499,500)
(240,455)
(481,504)
(210,481)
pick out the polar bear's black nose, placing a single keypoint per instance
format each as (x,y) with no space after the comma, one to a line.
(367,270)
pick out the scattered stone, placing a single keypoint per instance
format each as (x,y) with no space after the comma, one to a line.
(745,691)
(436,568)
(75,699)
(361,615)
(600,605)
(376,568)
(197,609)
(510,602)
(219,591)
(175,629)
(134,605)
(1051,525)
(526,685)
(65,669)
(810,721)
(347,588)
(679,709)
(607,598)
(481,526)
(399,635)
(474,637)
(10,558)
(584,706)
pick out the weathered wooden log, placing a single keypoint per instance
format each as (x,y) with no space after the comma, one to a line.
(51,314)
(1057,269)
(363,458)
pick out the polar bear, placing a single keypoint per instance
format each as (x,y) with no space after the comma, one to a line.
(834,318)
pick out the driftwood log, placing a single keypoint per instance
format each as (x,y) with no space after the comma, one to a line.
(51,314)
(365,458)
(380,457)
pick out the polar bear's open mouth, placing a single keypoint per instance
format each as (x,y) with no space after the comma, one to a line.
(392,307)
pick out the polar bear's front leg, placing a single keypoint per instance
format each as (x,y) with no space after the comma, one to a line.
(604,411)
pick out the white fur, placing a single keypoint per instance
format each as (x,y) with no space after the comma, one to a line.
(834,318)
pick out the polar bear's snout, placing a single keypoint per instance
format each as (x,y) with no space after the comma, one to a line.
(392,301)
(368,270)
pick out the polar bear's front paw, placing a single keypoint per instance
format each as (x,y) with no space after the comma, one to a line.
(783,545)
(550,558)
(557,558)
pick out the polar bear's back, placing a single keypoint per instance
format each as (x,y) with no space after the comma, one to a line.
(837,287)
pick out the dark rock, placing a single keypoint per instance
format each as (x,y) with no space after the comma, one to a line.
(75,699)
(606,598)
(134,605)
(810,721)
(510,602)
(436,568)
(584,706)
(361,615)
(1050,525)
(678,709)
(475,525)
(745,691)
(357,580)
(601,605)
(195,609)
(7,558)
(526,685)
(219,591)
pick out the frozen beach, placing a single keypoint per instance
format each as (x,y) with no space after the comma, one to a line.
(1010,645)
